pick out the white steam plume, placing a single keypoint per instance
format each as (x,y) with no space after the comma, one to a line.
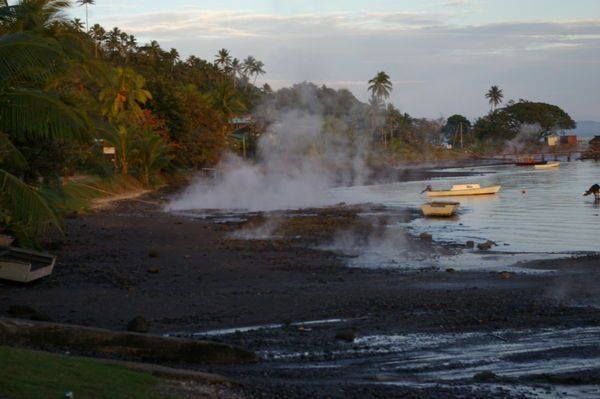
(301,157)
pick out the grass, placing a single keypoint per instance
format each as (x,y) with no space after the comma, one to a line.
(26,374)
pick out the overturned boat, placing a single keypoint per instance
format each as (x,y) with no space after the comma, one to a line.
(464,189)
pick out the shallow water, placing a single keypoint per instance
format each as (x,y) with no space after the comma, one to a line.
(453,359)
(551,216)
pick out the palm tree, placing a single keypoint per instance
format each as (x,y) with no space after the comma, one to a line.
(30,109)
(248,66)
(381,86)
(86,3)
(121,100)
(223,60)
(257,69)
(375,111)
(77,24)
(237,69)
(495,96)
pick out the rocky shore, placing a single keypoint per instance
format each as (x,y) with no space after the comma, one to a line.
(322,328)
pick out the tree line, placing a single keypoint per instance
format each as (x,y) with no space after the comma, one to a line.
(69,92)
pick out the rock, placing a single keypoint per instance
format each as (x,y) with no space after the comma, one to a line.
(426,237)
(154,270)
(153,253)
(21,311)
(345,335)
(485,246)
(470,244)
(484,376)
(450,270)
(138,324)
(505,275)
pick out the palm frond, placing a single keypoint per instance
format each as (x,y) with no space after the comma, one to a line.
(29,214)
(22,53)
(9,154)
(36,114)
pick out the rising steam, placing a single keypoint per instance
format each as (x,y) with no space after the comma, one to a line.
(301,157)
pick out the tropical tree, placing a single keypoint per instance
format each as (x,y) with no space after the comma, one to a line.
(151,153)
(223,60)
(494,96)
(121,99)
(237,69)
(30,109)
(381,86)
(257,69)
(86,3)
(374,112)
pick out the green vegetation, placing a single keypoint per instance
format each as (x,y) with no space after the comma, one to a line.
(26,374)
(82,109)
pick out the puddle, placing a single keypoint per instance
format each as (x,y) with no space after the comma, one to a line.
(260,327)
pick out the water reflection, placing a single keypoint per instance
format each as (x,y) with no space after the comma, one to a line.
(536,211)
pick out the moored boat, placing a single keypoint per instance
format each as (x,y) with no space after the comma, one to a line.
(550,165)
(530,162)
(440,209)
(464,189)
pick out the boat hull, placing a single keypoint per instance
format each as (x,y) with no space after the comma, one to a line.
(456,193)
(553,165)
(440,209)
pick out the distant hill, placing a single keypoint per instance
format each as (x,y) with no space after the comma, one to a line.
(587,129)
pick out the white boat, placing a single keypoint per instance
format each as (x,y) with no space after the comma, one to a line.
(550,165)
(440,209)
(464,189)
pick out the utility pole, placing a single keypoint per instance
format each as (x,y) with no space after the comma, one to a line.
(462,147)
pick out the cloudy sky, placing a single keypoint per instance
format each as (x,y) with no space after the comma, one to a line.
(441,54)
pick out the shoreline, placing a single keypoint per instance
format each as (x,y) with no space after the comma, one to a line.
(194,275)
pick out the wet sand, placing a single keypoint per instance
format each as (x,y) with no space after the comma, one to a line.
(189,275)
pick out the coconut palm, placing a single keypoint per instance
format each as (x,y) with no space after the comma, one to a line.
(223,60)
(257,69)
(375,111)
(29,109)
(86,3)
(381,86)
(77,24)
(121,101)
(237,69)
(248,66)
(494,96)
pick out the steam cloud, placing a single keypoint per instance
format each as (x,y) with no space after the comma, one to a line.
(301,157)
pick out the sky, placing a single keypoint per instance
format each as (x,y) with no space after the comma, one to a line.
(442,55)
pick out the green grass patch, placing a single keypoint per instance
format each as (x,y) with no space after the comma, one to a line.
(26,374)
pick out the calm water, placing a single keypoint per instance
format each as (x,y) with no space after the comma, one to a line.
(550,216)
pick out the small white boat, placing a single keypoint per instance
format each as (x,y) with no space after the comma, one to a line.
(440,209)
(464,189)
(24,266)
(550,165)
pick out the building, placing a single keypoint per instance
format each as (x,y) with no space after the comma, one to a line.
(570,139)
(553,141)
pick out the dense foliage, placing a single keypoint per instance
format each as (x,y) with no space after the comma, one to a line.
(79,103)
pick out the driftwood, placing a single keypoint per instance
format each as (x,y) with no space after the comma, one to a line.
(125,345)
